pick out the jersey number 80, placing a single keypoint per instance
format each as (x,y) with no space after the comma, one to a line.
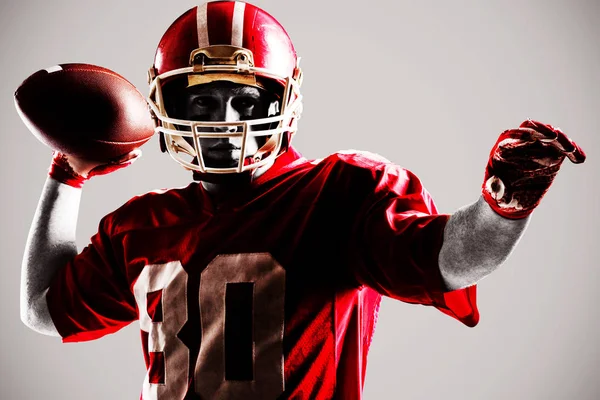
(251,286)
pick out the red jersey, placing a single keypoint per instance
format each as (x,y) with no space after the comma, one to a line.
(273,294)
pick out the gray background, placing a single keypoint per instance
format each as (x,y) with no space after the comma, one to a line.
(429,85)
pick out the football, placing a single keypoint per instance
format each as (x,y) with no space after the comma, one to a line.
(84,110)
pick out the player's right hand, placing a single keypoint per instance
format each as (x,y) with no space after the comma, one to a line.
(74,171)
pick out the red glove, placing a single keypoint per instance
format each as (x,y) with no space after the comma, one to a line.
(62,171)
(522,166)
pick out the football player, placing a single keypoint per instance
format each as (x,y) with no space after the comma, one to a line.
(263,278)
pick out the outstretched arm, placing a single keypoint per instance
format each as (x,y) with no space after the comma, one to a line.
(522,165)
(51,241)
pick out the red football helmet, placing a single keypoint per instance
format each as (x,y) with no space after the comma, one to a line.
(230,41)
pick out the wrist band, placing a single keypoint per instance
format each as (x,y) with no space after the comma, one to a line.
(61,171)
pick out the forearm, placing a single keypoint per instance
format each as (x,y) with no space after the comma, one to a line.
(50,245)
(476,242)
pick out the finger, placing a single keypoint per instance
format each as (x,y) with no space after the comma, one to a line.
(548,130)
(80,166)
(522,136)
(577,156)
(557,138)
(563,142)
(116,163)
(570,148)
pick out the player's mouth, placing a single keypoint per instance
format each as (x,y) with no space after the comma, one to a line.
(224,146)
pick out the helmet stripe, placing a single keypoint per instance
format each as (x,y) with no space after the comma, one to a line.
(237,27)
(202,26)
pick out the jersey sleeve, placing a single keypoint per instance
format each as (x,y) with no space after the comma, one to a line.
(398,237)
(90,297)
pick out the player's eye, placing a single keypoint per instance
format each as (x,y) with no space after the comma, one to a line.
(203,102)
(244,103)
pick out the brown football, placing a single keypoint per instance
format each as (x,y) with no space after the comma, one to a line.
(84,110)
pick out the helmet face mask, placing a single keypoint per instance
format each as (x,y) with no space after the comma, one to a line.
(268,62)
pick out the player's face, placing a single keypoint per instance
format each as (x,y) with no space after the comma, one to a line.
(225,102)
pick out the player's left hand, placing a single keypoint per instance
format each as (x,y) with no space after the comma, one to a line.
(522,166)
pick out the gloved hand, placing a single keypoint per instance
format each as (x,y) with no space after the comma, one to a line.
(74,171)
(522,166)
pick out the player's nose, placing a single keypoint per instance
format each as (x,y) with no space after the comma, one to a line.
(228,114)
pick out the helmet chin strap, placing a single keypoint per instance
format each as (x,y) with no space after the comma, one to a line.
(269,147)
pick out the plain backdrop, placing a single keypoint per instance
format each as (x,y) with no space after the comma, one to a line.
(429,85)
